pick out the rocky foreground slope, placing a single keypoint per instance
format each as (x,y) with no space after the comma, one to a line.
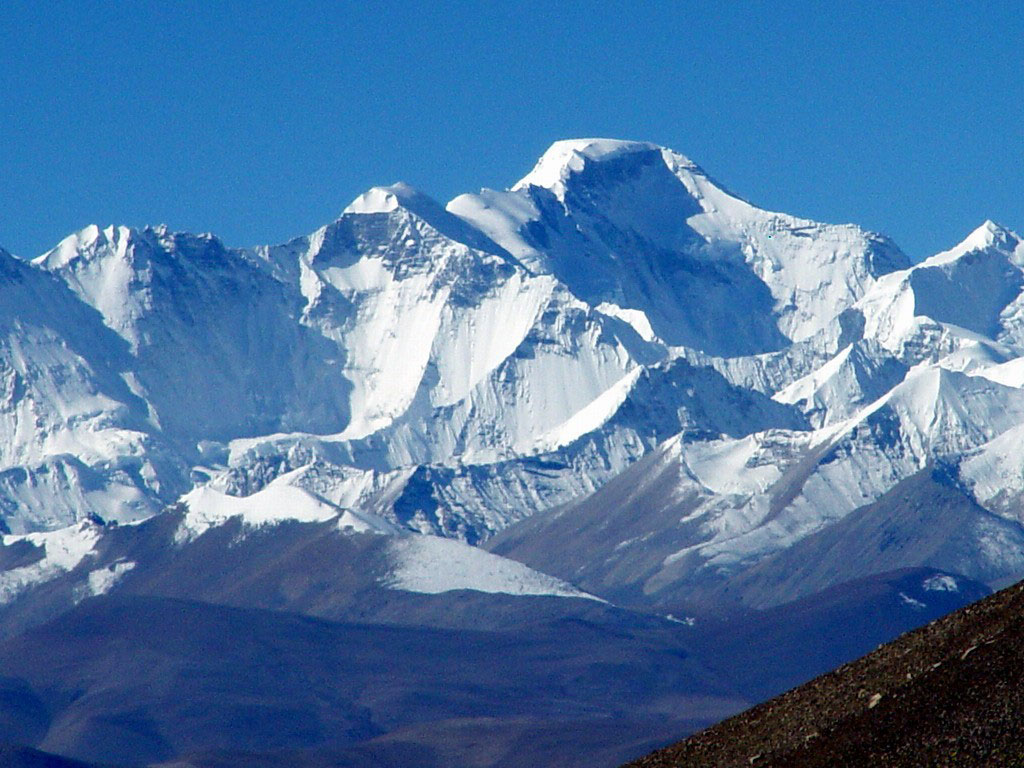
(948,694)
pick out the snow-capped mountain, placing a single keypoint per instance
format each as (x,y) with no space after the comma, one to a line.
(924,389)
(614,399)
(453,370)
(644,229)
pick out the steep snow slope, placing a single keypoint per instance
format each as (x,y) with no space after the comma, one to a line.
(75,437)
(215,349)
(856,376)
(571,459)
(645,229)
(380,321)
(707,510)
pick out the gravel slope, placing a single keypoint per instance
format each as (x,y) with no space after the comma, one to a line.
(948,694)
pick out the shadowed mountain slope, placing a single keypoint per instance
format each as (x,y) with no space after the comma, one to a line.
(23,757)
(130,680)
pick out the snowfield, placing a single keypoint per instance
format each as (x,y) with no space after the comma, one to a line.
(432,565)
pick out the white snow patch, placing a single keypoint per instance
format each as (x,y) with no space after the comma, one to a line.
(806,387)
(912,602)
(590,417)
(1009,374)
(500,216)
(432,565)
(636,318)
(64,548)
(940,582)
(733,466)
(381,199)
(988,235)
(278,502)
(103,579)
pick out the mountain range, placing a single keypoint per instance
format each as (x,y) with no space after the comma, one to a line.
(615,402)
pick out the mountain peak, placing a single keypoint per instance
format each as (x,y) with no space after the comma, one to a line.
(86,240)
(402,196)
(570,155)
(120,240)
(387,199)
(988,235)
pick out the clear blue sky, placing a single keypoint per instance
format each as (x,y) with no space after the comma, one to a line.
(260,121)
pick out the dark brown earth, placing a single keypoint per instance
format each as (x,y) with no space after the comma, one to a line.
(948,694)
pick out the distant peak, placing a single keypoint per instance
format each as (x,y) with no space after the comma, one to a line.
(596,149)
(988,235)
(120,241)
(402,196)
(388,199)
(993,232)
(87,239)
(570,155)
